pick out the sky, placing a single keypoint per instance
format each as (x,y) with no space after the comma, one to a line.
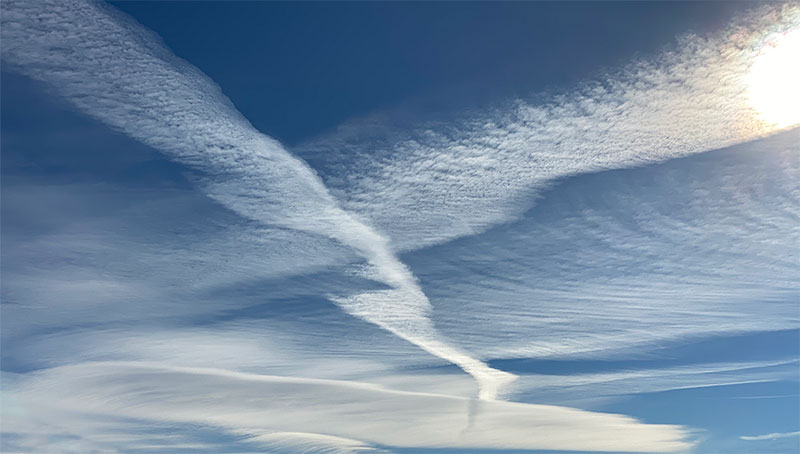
(399,227)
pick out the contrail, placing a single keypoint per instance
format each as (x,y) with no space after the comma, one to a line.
(111,68)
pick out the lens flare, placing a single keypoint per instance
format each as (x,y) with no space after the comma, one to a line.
(774,80)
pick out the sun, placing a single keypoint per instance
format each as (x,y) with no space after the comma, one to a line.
(774,80)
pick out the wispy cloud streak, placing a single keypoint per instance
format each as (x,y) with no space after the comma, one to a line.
(266,408)
(772,436)
(112,69)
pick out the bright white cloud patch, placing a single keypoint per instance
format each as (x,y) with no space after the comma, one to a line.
(774,91)
(260,405)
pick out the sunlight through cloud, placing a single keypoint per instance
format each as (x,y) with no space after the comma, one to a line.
(774,86)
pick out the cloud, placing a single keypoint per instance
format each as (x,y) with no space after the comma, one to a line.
(579,389)
(771,436)
(112,69)
(300,443)
(456,175)
(424,185)
(612,262)
(259,349)
(260,405)
(622,262)
(109,253)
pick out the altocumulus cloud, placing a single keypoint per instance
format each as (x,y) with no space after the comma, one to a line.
(458,175)
(115,71)
(425,185)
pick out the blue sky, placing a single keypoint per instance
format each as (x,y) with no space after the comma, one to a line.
(400,227)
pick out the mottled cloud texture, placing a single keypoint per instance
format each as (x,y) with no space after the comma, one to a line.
(678,244)
(429,183)
(122,75)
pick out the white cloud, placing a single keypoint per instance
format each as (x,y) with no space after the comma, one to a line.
(684,255)
(260,404)
(258,350)
(458,175)
(772,436)
(301,443)
(114,254)
(619,262)
(587,387)
(112,69)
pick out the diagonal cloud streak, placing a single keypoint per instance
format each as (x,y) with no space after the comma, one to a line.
(112,69)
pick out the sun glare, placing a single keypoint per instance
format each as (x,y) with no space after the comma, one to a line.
(774,80)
